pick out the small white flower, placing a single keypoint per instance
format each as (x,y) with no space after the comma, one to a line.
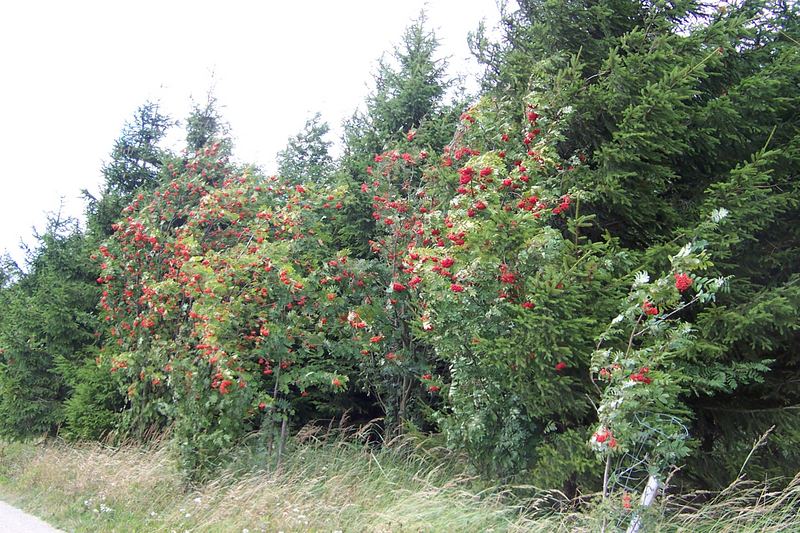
(197,500)
(641,278)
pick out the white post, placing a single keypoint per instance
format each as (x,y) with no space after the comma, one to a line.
(648,495)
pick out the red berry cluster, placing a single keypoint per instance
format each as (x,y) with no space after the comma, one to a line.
(626,501)
(604,436)
(683,282)
(563,206)
(641,376)
(649,308)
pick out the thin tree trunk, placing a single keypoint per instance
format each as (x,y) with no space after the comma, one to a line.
(281,442)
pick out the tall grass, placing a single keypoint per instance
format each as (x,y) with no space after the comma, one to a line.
(328,485)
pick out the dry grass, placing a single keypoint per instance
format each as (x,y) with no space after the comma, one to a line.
(320,487)
(326,486)
(744,506)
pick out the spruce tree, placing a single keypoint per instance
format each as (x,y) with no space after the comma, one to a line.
(306,158)
(47,327)
(206,124)
(408,108)
(408,102)
(136,159)
(410,88)
(679,110)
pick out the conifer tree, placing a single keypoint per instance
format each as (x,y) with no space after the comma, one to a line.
(205,124)
(680,109)
(410,87)
(407,102)
(307,158)
(9,271)
(48,323)
(135,162)
(136,159)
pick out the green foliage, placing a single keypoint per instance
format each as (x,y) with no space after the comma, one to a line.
(681,111)
(409,90)
(135,162)
(49,376)
(205,125)
(306,158)
(47,324)
(9,271)
(223,310)
(407,103)
(648,367)
(93,409)
(136,157)
(458,269)
(488,266)
(510,289)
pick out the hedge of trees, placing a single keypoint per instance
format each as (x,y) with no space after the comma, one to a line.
(594,259)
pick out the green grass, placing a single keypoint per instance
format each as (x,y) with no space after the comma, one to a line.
(336,485)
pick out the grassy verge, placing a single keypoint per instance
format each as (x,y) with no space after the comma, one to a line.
(330,487)
(320,487)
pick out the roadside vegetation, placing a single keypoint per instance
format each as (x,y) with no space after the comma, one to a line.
(581,284)
(331,483)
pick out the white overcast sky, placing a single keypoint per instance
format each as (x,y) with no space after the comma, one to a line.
(72,72)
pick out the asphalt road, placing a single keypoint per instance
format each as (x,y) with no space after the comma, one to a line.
(12,520)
